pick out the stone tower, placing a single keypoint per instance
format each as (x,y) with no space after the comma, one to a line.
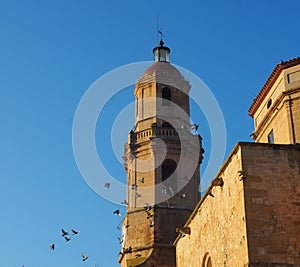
(276,108)
(162,158)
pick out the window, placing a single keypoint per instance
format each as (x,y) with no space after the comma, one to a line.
(137,106)
(143,92)
(271,137)
(269,103)
(166,96)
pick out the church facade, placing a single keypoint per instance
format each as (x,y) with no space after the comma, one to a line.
(248,216)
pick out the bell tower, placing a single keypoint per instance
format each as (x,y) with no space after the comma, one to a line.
(161,158)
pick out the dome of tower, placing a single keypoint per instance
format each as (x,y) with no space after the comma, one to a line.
(162,68)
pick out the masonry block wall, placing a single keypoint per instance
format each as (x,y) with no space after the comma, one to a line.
(254,218)
(218,224)
(272,203)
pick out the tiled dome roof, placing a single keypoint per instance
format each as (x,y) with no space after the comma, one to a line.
(162,68)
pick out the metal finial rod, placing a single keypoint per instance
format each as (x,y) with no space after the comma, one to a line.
(159,33)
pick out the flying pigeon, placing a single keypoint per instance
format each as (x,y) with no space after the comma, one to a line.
(64,233)
(137,195)
(120,239)
(138,255)
(149,215)
(67,238)
(52,246)
(184,195)
(124,202)
(74,232)
(134,187)
(141,180)
(84,257)
(195,127)
(171,191)
(117,212)
(147,207)
(164,190)
(107,185)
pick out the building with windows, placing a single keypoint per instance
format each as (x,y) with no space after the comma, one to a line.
(275,110)
(248,216)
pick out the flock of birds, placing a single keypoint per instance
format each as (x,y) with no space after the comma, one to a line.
(67,238)
(147,208)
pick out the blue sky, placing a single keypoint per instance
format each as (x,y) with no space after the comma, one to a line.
(50,54)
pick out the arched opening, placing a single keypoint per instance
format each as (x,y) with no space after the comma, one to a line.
(209,262)
(166,96)
(206,262)
(167,169)
(167,125)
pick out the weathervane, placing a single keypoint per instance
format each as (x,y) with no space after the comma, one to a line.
(159,32)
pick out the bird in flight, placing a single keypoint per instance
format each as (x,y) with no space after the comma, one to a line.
(133,187)
(184,195)
(149,215)
(64,233)
(141,180)
(124,202)
(195,127)
(84,257)
(147,207)
(52,246)
(74,232)
(107,185)
(171,191)
(67,238)
(117,212)
(137,195)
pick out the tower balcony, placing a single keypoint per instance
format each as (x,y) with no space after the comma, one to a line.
(154,132)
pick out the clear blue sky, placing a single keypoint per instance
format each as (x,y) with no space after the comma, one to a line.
(52,51)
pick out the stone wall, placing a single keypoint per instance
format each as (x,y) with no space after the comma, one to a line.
(272,201)
(218,226)
(254,218)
